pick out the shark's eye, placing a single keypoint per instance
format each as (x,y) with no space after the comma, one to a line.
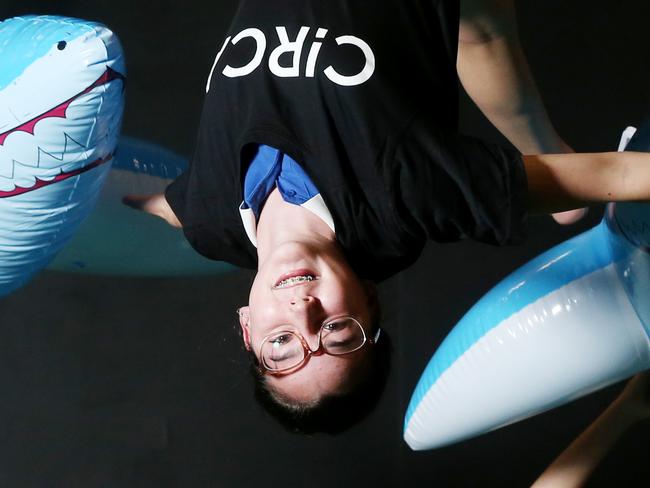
(61,45)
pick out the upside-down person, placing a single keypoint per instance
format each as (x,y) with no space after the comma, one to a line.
(328,154)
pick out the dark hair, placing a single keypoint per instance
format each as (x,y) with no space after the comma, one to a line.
(335,413)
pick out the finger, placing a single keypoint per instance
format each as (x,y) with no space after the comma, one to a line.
(570,216)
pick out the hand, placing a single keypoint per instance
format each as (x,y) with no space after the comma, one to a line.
(155,204)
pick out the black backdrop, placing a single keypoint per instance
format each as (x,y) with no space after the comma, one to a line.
(142,382)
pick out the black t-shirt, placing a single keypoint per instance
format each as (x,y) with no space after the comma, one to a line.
(363,94)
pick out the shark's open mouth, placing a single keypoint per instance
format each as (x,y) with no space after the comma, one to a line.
(59,111)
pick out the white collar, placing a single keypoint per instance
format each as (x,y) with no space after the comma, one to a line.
(315,205)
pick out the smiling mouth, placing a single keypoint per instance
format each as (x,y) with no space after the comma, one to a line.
(295,278)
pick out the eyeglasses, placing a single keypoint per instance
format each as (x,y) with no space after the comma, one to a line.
(285,350)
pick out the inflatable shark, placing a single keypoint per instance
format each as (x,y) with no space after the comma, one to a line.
(572,321)
(61,100)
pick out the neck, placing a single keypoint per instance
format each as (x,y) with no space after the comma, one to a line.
(282,223)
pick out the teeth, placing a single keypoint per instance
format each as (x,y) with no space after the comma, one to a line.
(293,280)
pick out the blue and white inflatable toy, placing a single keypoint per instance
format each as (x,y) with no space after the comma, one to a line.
(570,322)
(117,240)
(61,101)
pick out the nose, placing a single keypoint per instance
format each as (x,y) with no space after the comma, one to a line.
(304,306)
(302,301)
(306,312)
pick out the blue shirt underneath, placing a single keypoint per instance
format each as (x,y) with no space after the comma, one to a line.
(271,168)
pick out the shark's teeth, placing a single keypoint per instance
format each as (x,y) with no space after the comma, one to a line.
(52,159)
(47,162)
(293,280)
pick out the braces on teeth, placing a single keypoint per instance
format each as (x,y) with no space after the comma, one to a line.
(295,279)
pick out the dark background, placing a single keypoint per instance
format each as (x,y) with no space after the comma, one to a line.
(121,382)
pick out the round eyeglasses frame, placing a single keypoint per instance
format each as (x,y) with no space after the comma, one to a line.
(308,352)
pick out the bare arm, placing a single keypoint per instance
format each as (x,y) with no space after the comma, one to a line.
(155,204)
(493,70)
(573,467)
(558,182)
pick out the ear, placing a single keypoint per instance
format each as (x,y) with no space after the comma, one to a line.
(244,320)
